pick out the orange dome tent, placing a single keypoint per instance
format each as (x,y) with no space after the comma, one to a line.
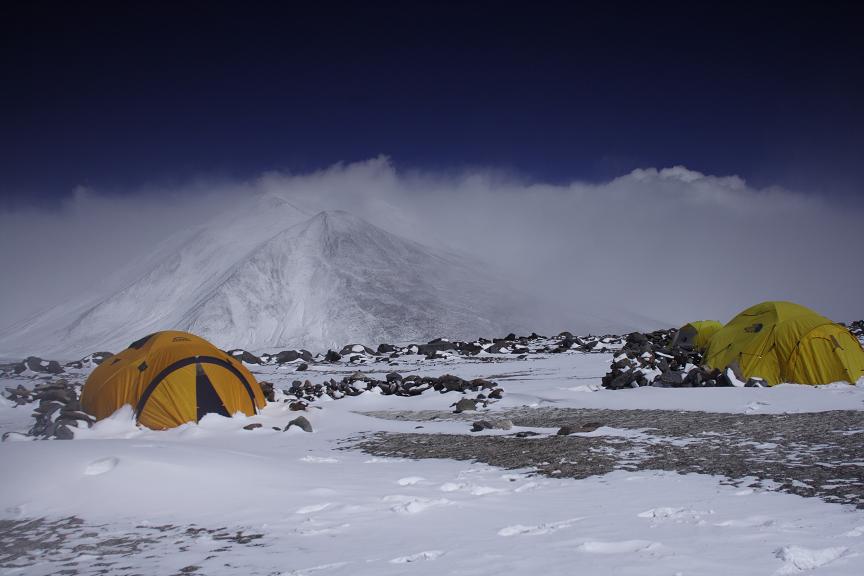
(170,378)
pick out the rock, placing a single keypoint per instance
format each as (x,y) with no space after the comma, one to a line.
(252,426)
(62,432)
(482,383)
(244,356)
(465,404)
(497,349)
(332,356)
(471,348)
(435,346)
(565,430)
(36,364)
(268,390)
(300,422)
(393,377)
(480,425)
(356,349)
(526,434)
(293,355)
(452,383)
(386,348)
(589,427)
(672,378)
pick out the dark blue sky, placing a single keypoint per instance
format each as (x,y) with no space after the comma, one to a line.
(122,94)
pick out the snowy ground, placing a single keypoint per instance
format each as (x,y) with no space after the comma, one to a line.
(214,498)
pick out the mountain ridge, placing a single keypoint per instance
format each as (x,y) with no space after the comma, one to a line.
(295,280)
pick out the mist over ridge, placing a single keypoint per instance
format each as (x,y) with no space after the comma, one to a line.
(650,248)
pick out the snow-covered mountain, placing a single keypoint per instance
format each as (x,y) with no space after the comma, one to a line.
(274,276)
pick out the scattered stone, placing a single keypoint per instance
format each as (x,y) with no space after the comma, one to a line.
(244,356)
(332,356)
(302,367)
(301,422)
(252,426)
(89,361)
(349,349)
(465,404)
(565,430)
(481,425)
(268,390)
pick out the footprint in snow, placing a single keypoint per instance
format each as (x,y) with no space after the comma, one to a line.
(412,505)
(326,531)
(420,556)
(410,480)
(319,568)
(798,559)
(548,528)
(319,460)
(749,522)
(474,490)
(312,508)
(101,466)
(675,514)
(618,547)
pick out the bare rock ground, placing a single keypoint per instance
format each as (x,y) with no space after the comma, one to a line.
(813,454)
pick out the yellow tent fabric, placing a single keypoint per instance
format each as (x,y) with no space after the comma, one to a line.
(697,334)
(170,378)
(786,342)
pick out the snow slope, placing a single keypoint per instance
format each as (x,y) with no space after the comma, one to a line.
(269,275)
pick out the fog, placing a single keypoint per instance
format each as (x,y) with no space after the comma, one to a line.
(650,248)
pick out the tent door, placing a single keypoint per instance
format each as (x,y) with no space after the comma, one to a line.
(207,400)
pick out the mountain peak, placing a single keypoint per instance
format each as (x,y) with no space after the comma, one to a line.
(265,279)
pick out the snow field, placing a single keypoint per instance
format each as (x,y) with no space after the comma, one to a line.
(323,508)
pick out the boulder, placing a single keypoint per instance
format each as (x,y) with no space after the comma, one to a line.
(301,422)
(286,356)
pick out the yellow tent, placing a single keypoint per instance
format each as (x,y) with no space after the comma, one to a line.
(170,378)
(786,342)
(697,334)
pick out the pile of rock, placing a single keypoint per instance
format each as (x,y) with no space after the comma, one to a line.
(90,361)
(283,357)
(58,412)
(440,348)
(32,366)
(651,360)
(393,384)
(857,329)
(587,344)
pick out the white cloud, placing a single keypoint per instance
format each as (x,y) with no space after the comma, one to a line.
(669,245)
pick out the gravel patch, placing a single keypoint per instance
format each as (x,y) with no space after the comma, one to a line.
(70,546)
(813,454)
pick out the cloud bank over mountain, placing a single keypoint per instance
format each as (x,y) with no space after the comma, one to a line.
(653,247)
